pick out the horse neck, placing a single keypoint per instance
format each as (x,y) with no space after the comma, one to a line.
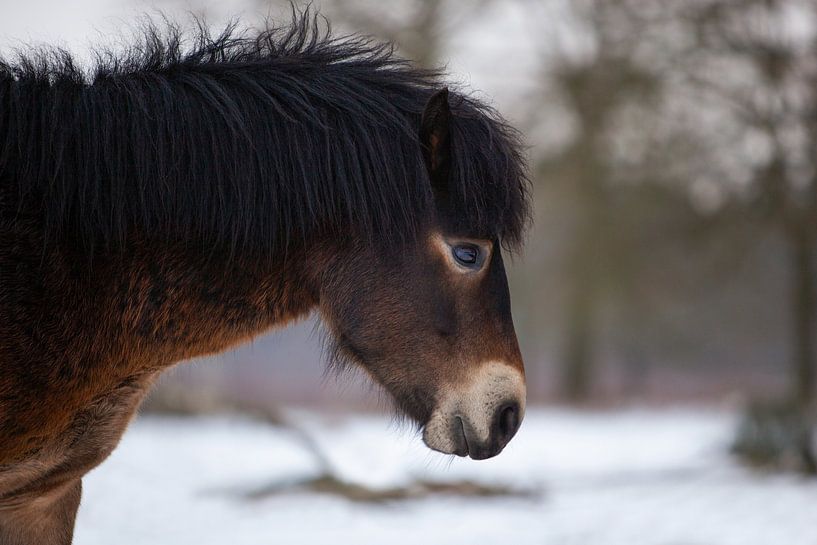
(75,329)
(196,302)
(152,303)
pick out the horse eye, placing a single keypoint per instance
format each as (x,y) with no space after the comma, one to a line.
(466,255)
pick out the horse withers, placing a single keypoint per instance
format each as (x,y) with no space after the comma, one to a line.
(179,201)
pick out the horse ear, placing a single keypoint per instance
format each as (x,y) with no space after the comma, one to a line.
(435,140)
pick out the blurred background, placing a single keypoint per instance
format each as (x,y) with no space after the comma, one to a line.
(665,303)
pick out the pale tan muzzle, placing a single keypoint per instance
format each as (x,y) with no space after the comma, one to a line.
(479,417)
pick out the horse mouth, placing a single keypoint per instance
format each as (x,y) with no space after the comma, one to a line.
(460,438)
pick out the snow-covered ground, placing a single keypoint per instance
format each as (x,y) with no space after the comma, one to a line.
(630,477)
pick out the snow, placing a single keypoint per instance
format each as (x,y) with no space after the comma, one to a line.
(629,477)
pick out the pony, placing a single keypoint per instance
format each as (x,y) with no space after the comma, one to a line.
(179,198)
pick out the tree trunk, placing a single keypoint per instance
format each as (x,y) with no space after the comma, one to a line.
(577,359)
(804,306)
(804,309)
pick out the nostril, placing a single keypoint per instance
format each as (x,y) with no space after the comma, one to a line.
(508,421)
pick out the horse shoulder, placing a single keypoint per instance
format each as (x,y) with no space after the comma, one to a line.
(90,437)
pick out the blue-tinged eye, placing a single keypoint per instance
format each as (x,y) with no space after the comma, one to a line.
(466,255)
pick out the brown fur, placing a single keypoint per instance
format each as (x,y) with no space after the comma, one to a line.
(83,336)
(81,341)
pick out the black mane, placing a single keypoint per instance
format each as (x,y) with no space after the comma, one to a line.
(245,141)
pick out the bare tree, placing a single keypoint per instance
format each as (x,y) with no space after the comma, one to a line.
(770,92)
(754,62)
(417,27)
(603,254)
